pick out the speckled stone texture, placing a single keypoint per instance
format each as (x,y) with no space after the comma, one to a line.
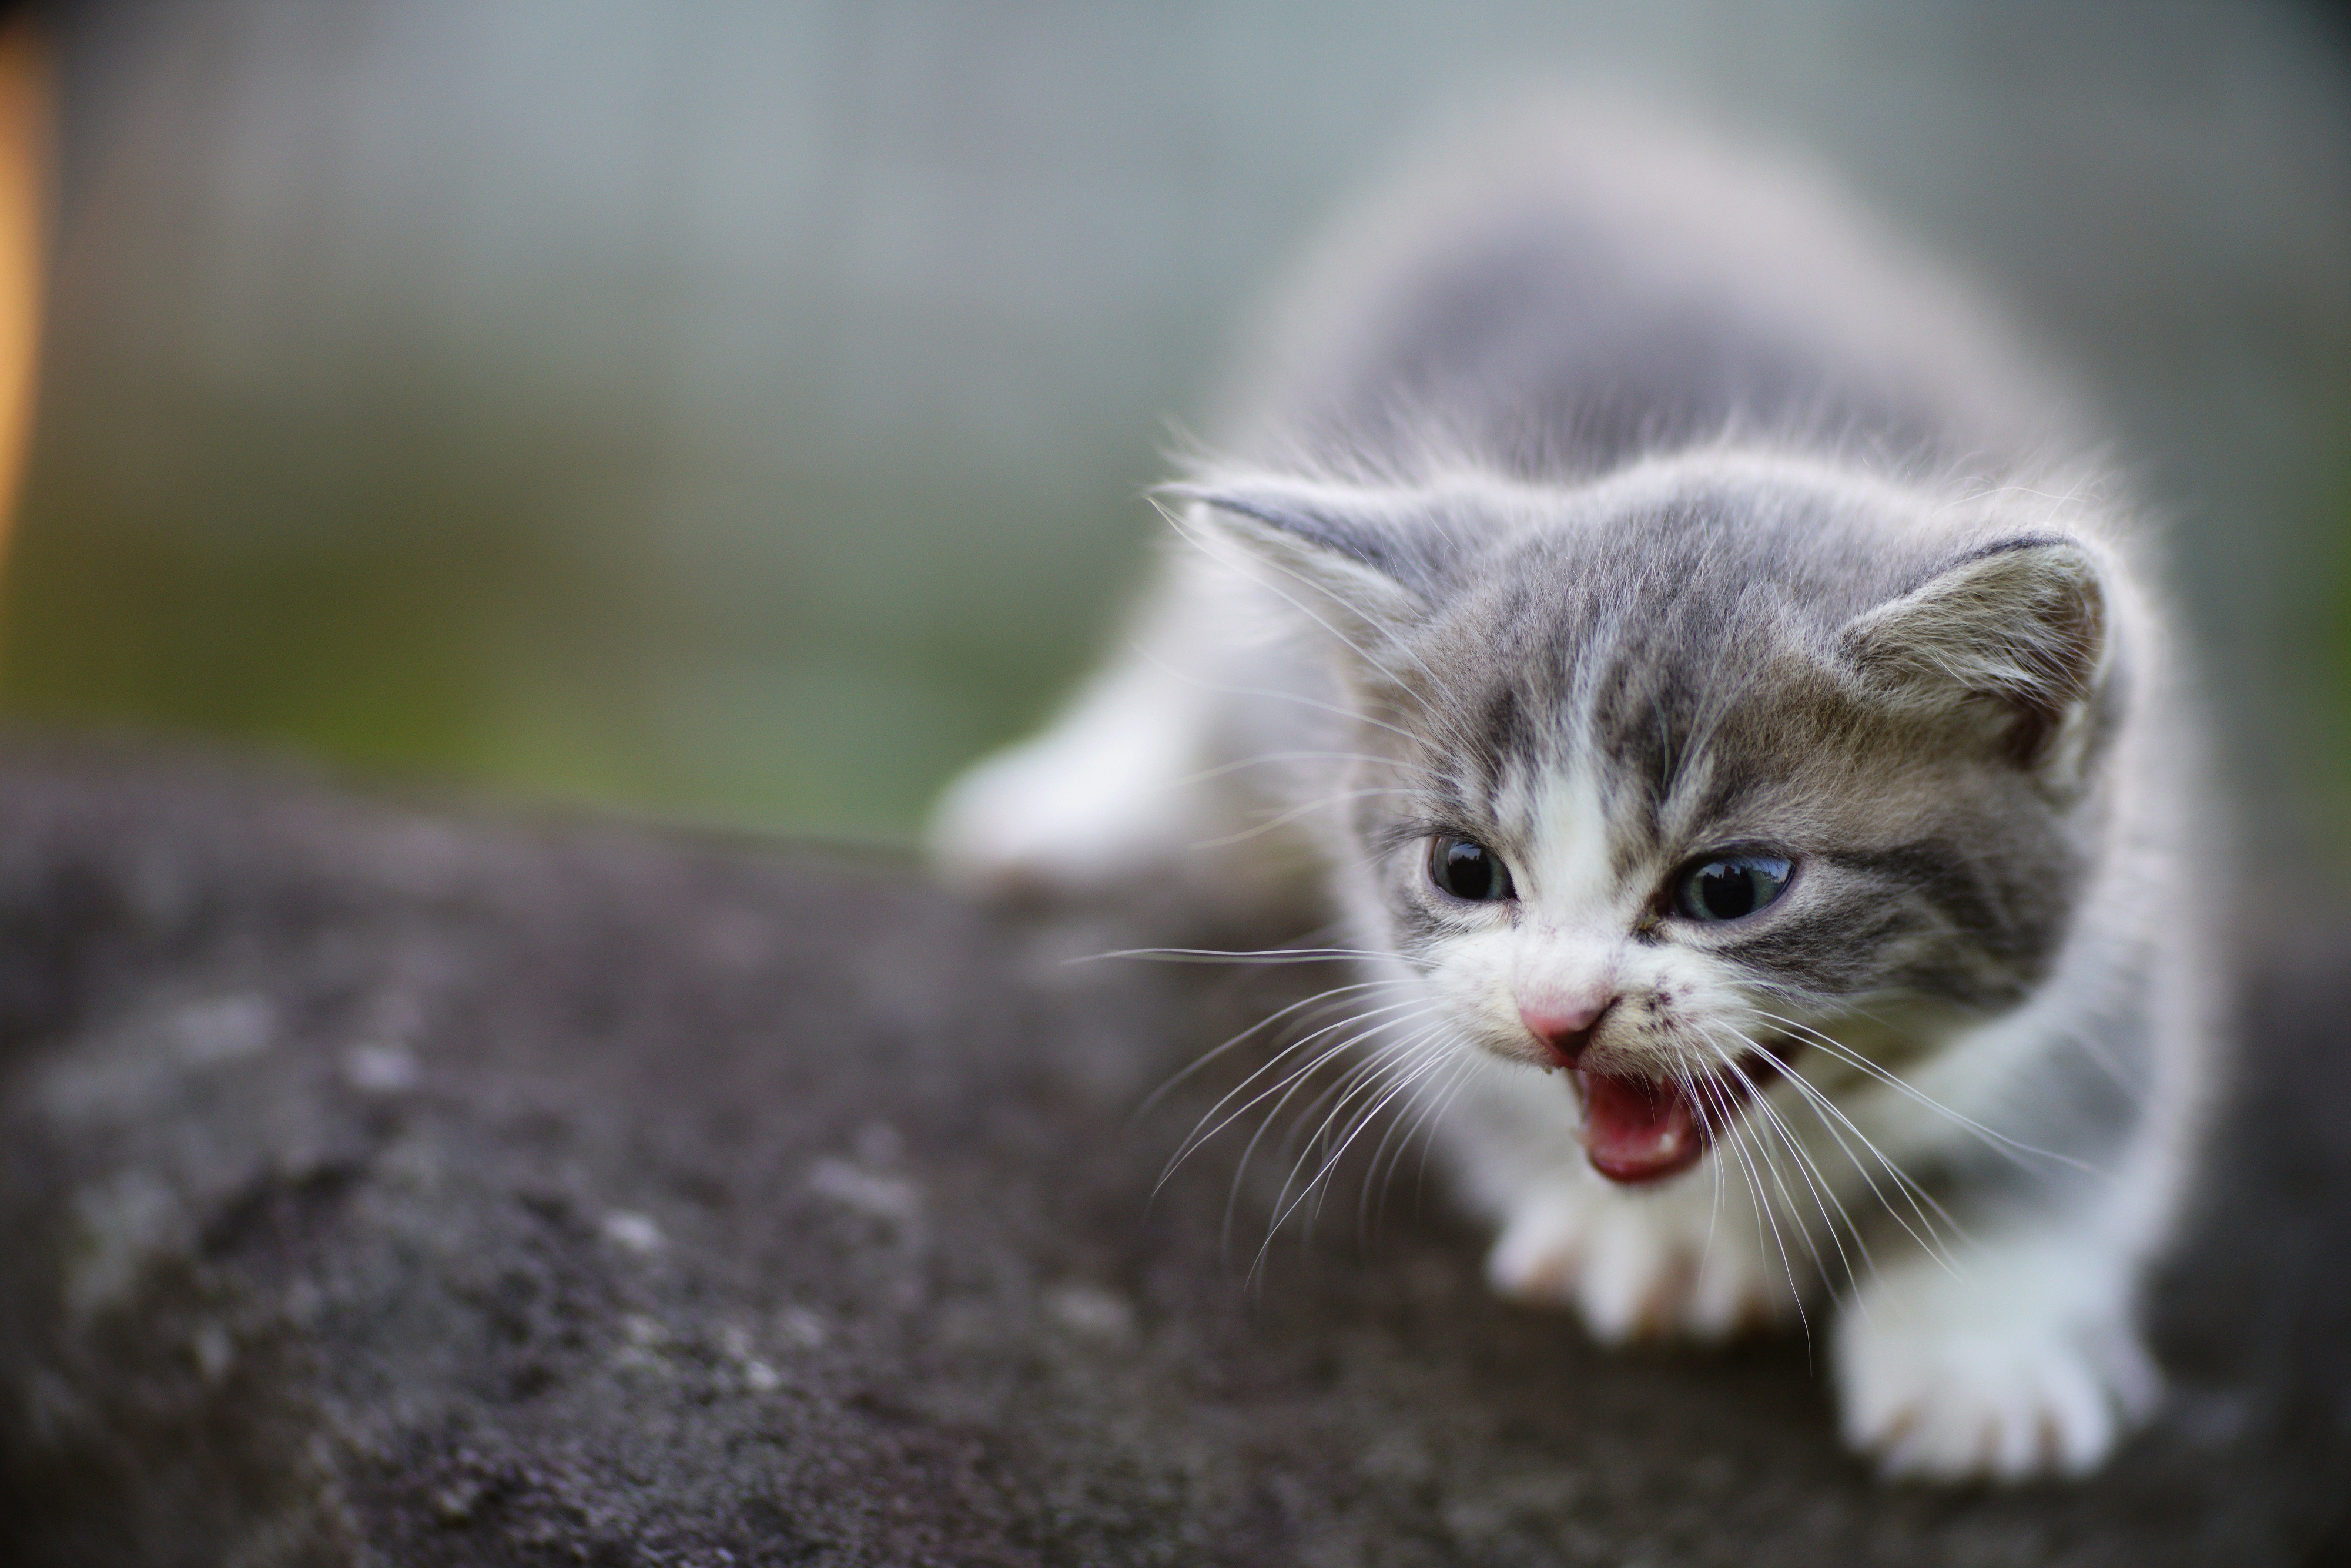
(396,1185)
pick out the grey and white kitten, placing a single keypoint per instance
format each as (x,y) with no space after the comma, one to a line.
(1671,629)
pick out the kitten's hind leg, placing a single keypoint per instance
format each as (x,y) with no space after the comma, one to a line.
(2015,1358)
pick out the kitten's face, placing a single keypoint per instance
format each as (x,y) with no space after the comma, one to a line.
(1662,795)
(1672,937)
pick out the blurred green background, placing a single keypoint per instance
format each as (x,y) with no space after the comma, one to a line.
(736,411)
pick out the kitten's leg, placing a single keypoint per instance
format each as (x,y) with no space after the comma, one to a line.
(1697,1256)
(1095,799)
(1156,775)
(2018,1359)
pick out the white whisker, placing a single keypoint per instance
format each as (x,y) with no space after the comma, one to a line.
(1915,1193)
(1995,1139)
(1202,1131)
(1208,1057)
(1294,1082)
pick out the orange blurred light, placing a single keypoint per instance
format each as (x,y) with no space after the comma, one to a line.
(24,167)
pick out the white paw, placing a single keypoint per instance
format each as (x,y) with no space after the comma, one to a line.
(2004,1402)
(1642,1265)
(1076,809)
(997,831)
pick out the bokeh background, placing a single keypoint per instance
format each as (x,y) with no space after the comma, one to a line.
(737,411)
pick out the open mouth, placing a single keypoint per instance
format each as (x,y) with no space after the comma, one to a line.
(1642,1130)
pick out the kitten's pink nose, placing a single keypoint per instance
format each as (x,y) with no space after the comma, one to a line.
(1566,1027)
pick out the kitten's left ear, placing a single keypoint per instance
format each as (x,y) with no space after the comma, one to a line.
(1354,544)
(2017,628)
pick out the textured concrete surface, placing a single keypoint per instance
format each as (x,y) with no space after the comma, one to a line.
(387,1185)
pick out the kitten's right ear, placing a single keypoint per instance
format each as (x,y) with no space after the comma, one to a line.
(1351,545)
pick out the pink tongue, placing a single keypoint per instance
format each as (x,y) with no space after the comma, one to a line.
(1636,1130)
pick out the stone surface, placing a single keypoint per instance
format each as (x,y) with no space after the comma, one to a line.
(386,1184)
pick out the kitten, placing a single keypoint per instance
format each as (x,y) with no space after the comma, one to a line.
(1673,631)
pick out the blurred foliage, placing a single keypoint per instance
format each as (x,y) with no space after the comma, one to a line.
(737,410)
(458,619)
(2331,675)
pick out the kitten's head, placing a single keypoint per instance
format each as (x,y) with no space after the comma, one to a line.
(1660,778)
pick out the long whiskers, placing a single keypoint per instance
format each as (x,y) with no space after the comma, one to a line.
(1288,1083)
(1220,956)
(1767,1215)
(1206,1058)
(2011,1148)
(1393,1072)
(1770,1164)
(1816,1182)
(1402,1134)
(1295,1081)
(1915,1195)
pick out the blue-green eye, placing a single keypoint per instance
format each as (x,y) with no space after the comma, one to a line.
(1467,869)
(1731,888)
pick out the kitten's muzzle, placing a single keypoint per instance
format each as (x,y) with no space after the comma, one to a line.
(1565,1028)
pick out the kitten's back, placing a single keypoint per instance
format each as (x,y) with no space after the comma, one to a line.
(1567,287)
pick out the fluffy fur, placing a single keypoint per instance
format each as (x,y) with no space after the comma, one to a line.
(1617,505)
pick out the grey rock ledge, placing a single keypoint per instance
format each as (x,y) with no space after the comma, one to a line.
(387,1185)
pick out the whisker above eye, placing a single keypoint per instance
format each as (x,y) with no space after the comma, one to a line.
(1438,713)
(1267,758)
(1283,818)
(1263,695)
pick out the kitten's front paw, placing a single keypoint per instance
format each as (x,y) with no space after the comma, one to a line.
(1060,816)
(1642,1265)
(2002,1401)
(1103,795)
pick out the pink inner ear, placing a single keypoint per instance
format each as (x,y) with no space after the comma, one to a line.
(1635,1130)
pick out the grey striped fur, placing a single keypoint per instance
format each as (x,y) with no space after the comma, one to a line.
(1615,500)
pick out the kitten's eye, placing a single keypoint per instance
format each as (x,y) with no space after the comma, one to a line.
(1469,870)
(1730,887)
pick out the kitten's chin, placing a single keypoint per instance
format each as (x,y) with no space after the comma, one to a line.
(1641,1130)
